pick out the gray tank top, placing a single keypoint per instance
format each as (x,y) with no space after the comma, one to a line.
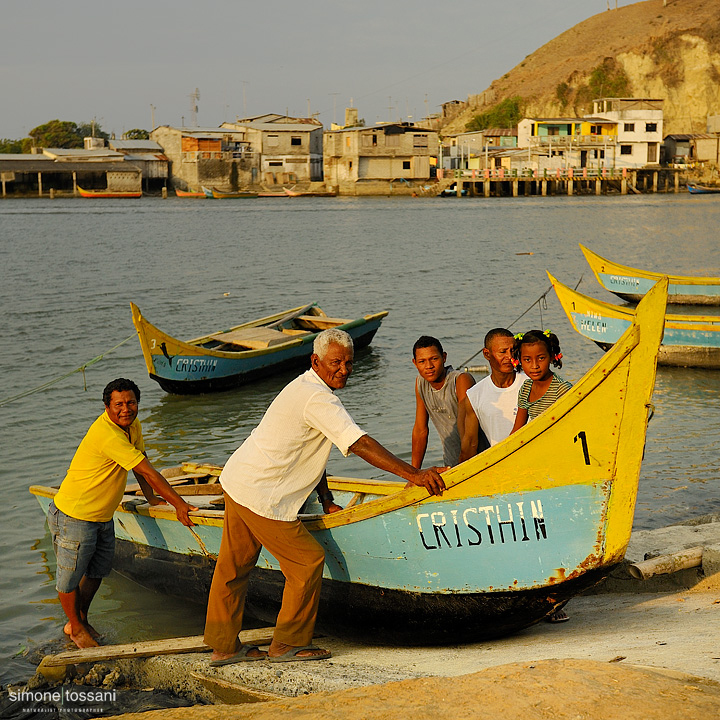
(442,407)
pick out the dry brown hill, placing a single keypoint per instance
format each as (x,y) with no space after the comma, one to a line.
(647,50)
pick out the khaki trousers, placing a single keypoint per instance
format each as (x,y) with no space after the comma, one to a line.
(301,560)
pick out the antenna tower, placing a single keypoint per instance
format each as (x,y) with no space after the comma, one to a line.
(194,97)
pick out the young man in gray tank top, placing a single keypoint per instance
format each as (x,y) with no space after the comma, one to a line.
(438,390)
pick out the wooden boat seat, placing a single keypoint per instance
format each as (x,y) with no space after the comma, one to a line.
(321,321)
(255,338)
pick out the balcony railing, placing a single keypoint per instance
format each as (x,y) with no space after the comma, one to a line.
(572,141)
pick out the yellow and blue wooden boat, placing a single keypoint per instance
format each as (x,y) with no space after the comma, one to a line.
(227,358)
(521,528)
(688,340)
(631,284)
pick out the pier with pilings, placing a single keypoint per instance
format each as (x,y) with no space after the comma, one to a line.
(500,182)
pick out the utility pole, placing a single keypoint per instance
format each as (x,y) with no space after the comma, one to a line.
(152,117)
(244,83)
(334,94)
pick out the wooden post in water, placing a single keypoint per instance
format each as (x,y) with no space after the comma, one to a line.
(655,181)
(39,184)
(598,185)
(677,181)
(75,190)
(623,183)
(515,184)
(164,193)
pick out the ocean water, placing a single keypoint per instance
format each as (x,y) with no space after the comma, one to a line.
(453,268)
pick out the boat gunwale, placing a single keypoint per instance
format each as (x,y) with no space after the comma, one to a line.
(673,321)
(593,259)
(192,347)
(456,475)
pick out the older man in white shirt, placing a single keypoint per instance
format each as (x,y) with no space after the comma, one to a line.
(266,481)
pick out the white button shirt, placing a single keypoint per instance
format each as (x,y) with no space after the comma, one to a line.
(274,471)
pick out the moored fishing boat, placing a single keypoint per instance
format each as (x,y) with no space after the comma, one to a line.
(291,192)
(227,358)
(107,193)
(189,194)
(688,340)
(239,195)
(521,528)
(631,284)
(696,189)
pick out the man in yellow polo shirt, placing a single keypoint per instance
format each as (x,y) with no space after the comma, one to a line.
(81,515)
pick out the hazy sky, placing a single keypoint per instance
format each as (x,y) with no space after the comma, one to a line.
(83,59)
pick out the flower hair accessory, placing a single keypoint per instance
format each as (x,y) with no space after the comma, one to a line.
(516,363)
(546,333)
(519,336)
(558,356)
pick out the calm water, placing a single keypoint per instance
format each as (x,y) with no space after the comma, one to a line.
(447,267)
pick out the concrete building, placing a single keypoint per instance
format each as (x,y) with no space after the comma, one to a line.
(289,149)
(220,157)
(552,143)
(393,158)
(149,157)
(686,149)
(267,150)
(639,129)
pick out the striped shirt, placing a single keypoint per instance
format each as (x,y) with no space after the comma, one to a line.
(274,471)
(557,388)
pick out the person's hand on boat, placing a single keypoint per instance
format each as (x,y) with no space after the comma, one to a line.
(331,507)
(183,509)
(430,479)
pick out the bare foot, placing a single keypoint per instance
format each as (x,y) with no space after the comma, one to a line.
(93,632)
(83,639)
(278,648)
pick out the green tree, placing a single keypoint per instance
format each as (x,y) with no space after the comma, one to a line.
(57,134)
(91,129)
(137,134)
(10,146)
(506,114)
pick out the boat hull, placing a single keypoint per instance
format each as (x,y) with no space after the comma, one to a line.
(192,375)
(632,284)
(688,340)
(198,366)
(519,529)
(106,194)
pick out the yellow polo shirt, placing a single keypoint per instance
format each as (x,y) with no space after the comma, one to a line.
(95,482)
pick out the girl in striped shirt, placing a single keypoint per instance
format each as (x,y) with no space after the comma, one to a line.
(536,350)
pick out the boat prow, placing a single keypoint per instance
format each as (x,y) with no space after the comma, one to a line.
(688,340)
(631,284)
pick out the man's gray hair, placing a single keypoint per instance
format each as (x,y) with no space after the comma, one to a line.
(327,337)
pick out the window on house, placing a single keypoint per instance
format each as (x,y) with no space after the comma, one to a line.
(374,140)
(349,164)
(406,164)
(553,131)
(295,140)
(595,130)
(273,140)
(626,149)
(629,127)
(392,141)
(650,127)
(275,163)
(420,141)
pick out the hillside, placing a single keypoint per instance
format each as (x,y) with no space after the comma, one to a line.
(641,50)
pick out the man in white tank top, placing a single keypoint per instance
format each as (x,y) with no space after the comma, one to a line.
(490,406)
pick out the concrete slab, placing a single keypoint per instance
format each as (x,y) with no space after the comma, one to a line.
(665,631)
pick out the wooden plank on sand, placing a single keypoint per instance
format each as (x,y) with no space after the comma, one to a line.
(150,648)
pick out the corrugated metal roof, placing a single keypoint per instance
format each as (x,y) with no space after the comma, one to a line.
(38,164)
(147,145)
(146,157)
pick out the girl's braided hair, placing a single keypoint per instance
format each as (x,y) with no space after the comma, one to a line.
(549,339)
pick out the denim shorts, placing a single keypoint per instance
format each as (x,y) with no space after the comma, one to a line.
(81,548)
